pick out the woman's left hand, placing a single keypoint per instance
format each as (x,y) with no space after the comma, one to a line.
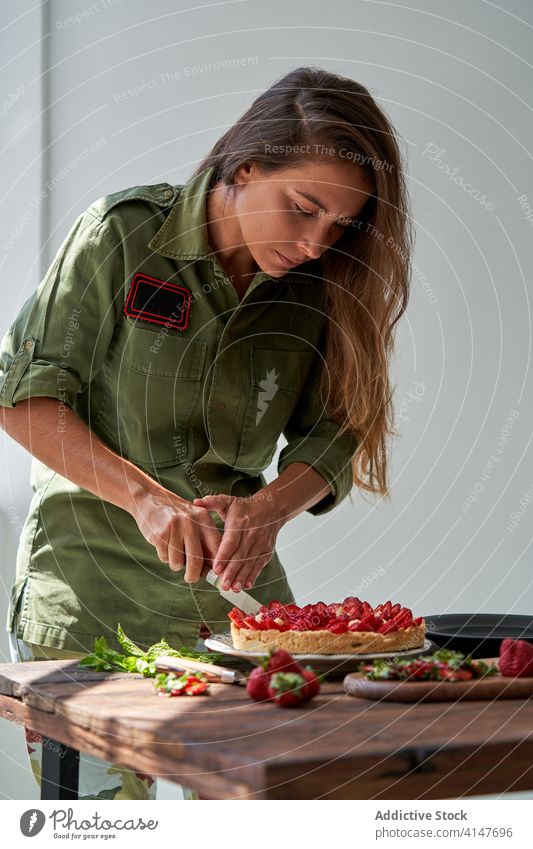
(251,526)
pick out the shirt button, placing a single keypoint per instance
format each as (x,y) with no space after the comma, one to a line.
(168,193)
(28,345)
(222,406)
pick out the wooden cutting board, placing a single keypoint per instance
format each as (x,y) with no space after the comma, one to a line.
(494,687)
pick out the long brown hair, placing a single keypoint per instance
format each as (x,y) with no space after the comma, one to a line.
(367,271)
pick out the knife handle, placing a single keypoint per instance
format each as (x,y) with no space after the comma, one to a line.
(211,669)
(212,577)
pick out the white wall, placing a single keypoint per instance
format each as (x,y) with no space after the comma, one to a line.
(458,80)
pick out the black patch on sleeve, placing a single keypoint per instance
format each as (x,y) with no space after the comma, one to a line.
(158,301)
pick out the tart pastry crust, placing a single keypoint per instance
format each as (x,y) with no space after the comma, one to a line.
(323,641)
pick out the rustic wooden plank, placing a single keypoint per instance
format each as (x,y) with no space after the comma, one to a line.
(242,729)
(412,774)
(98,700)
(95,703)
(227,746)
(173,765)
(14,677)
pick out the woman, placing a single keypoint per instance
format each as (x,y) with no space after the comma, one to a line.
(178,332)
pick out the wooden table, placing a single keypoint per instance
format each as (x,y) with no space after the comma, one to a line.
(228,747)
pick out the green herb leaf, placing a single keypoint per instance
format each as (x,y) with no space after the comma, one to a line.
(104,659)
(128,645)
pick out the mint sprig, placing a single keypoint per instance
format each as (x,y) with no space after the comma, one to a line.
(135,659)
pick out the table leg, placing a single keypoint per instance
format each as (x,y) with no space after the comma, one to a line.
(60,770)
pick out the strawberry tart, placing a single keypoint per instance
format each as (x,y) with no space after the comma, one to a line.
(349,627)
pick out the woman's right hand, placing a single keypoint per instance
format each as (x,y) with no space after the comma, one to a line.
(183,534)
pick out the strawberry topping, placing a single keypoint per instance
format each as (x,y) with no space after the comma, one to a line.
(350,615)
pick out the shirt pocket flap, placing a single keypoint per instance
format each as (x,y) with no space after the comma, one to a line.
(159,351)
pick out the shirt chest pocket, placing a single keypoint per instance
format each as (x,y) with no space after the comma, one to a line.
(277,379)
(153,381)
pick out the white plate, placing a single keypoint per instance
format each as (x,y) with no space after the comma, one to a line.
(223,644)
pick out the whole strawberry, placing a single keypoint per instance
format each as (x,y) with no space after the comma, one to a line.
(279,660)
(312,687)
(288,689)
(516,658)
(257,684)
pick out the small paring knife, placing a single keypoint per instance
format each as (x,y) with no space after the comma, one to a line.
(242,600)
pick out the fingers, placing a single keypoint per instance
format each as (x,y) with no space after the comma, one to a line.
(175,549)
(224,564)
(219,503)
(246,560)
(160,544)
(254,571)
(194,552)
(211,535)
(162,551)
(247,565)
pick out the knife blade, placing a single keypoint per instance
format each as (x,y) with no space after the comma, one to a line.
(244,601)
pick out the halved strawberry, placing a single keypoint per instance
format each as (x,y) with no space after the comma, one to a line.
(337,627)
(386,610)
(269,623)
(401,620)
(304,623)
(237,616)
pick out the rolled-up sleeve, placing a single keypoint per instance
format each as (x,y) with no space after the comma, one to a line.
(315,439)
(60,338)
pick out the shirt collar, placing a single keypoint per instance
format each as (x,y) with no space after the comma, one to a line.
(184,233)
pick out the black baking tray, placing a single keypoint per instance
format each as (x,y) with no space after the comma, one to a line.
(477,634)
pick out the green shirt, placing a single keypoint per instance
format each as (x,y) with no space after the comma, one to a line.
(196,396)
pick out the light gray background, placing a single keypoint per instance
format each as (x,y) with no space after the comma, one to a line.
(457,76)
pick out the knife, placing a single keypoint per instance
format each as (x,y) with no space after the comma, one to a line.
(242,600)
(215,673)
